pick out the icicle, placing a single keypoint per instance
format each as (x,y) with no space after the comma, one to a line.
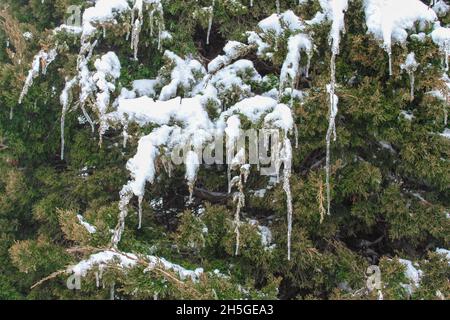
(210,21)
(100,275)
(125,196)
(390,62)
(97,280)
(412,80)
(63,117)
(410,66)
(40,63)
(136,26)
(140,198)
(237,222)
(64,99)
(192,165)
(287,162)
(308,64)
(251,3)
(135,38)
(151,17)
(331,131)
(239,196)
(125,134)
(278,7)
(446,104)
(336,13)
(112,291)
(159,36)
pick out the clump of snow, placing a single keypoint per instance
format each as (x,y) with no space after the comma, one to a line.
(440,7)
(445,253)
(182,75)
(90,228)
(291,65)
(413,274)
(145,87)
(441,37)
(103,11)
(446,133)
(275,25)
(390,20)
(266,234)
(334,10)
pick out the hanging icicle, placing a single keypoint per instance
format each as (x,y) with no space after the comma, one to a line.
(239,197)
(39,66)
(140,199)
(286,155)
(335,11)
(410,66)
(125,196)
(192,165)
(65,102)
(210,20)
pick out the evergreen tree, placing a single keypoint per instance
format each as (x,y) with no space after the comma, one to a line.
(356,91)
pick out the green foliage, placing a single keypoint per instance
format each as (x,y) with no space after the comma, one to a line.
(390,173)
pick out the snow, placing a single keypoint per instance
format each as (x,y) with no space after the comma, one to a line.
(334,11)
(101,259)
(41,61)
(413,274)
(446,133)
(145,87)
(265,233)
(210,10)
(68,29)
(280,117)
(127,261)
(441,8)
(64,100)
(410,63)
(27,35)
(276,26)
(441,37)
(444,252)
(145,110)
(232,51)
(291,65)
(103,11)
(330,132)
(183,122)
(390,20)
(108,70)
(155,8)
(90,228)
(286,153)
(183,273)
